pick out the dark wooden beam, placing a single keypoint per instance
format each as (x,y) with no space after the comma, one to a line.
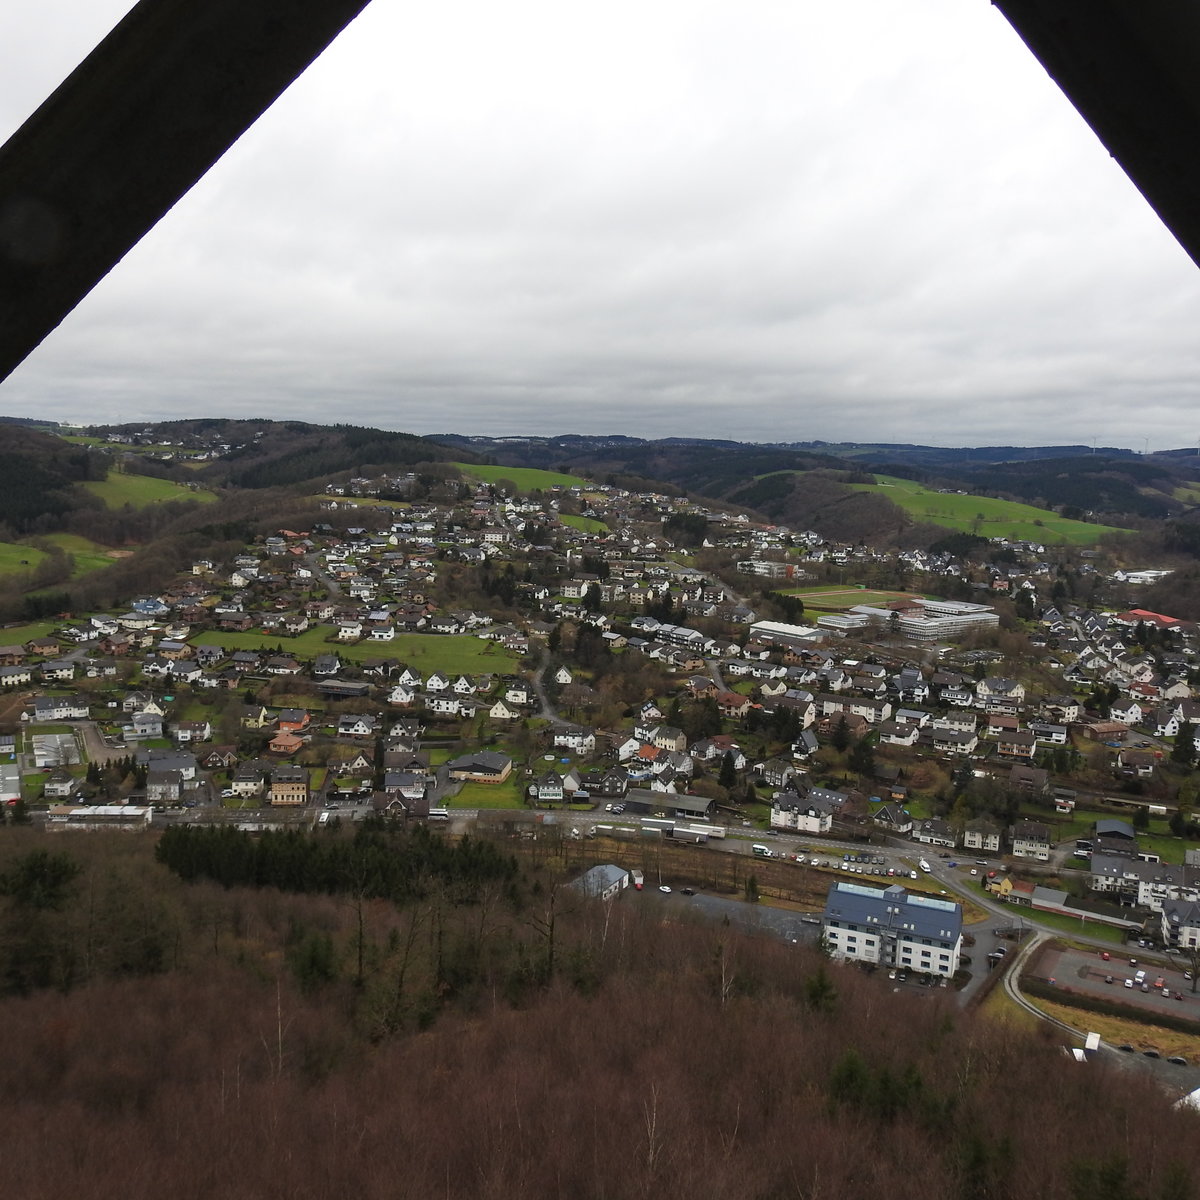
(132,128)
(1132,69)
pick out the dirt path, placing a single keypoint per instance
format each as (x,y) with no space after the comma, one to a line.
(12,706)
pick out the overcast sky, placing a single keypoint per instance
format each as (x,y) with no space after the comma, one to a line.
(770,220)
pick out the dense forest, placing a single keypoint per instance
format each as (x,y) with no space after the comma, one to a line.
(509,1039)
(38,473)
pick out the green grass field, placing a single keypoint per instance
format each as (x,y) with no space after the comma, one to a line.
(15,557)
(584,524)
(426,652)
(489,795)
(984,516)
(139,491)
(1060,921)
(89,555)
(18,635)
(527,479)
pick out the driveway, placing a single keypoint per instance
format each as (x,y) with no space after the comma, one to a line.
(97,749)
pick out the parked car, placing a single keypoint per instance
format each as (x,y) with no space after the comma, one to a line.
(1129,983)
(1108,979)
(1179,1062)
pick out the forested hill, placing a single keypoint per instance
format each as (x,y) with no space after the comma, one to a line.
(804,483)
(262,453)
(38,474)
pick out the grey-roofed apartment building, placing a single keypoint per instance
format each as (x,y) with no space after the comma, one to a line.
(893,928)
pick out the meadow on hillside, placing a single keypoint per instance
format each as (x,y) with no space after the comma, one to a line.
(985,516)
(138,491)
(528,479)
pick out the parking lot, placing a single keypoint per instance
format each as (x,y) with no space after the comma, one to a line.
(1088,972)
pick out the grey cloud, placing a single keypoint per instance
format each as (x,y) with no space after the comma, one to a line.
(758,221)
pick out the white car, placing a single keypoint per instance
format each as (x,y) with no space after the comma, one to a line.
(662,887)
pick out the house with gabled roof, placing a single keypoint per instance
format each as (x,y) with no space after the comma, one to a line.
(1031,839)
(933,831)
(804,814)
(893,819)
(1018,743)
(164,786)
(547,788)
(578,738)
(59,708)
(984,835)
(288,786)
(360,726)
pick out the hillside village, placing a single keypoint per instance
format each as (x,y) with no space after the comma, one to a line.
(620,651)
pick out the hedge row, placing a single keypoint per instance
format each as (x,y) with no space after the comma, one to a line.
(1033,985)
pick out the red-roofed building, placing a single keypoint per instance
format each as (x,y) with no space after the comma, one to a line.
(1144,616)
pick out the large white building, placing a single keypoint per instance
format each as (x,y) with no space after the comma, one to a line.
(938,620)
(781,634)
(893,928)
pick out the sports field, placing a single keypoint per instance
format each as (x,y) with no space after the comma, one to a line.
(827,599)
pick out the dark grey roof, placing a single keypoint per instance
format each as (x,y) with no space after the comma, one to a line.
(893,907)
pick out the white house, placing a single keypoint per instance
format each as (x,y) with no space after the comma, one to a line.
(1031,839)
(790,811)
